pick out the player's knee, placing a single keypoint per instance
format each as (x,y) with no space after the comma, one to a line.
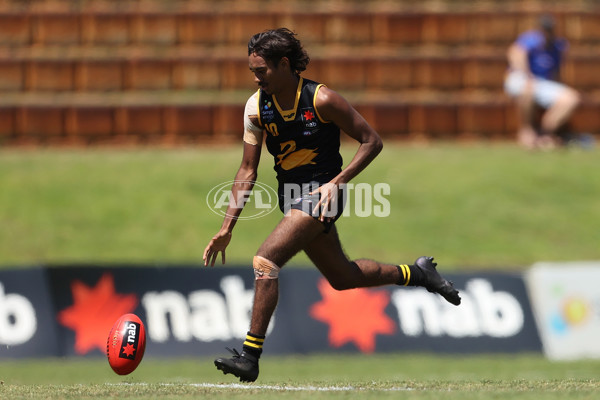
(351,278)
(570,98)
(575,98)
(264,268)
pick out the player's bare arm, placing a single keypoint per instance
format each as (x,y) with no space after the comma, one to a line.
(335,108)
(243,183)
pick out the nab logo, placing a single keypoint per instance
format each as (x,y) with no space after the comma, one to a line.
(90,322)
(130,341)
(308,116)
(18,322)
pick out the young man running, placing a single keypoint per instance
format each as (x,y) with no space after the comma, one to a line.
(302,121)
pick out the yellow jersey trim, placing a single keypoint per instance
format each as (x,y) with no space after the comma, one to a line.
(290,115)
(315,104)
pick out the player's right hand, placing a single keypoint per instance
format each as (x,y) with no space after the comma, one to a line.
(217,244)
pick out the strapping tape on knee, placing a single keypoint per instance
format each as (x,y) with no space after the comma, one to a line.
(264,269)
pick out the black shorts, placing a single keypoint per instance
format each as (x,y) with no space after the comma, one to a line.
(297,197)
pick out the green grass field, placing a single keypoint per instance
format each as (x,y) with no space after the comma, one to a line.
(470,206)
(312,377)
(473,207)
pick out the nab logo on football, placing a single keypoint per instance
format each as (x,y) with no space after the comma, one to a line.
(130,340)
(126,344)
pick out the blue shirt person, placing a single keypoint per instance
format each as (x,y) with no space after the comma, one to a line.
(533,78)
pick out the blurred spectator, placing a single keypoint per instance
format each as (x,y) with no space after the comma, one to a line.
(533,79)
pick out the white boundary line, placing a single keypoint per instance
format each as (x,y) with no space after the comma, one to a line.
(276,387)
(280,388)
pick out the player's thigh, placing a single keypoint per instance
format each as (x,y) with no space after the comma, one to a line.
(291,235)
(326,252)
(547,93)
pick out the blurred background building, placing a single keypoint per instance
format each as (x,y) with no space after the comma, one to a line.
(169,72)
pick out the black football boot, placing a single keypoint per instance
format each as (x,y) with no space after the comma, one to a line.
(244,366)
(434,282)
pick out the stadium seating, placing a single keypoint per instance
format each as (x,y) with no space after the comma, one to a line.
(172,72)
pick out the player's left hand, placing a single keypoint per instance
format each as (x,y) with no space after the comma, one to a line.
(327,205)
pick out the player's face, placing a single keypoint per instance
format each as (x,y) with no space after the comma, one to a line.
(265,74)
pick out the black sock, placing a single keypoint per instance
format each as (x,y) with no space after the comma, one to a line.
(410,275)
(253,344)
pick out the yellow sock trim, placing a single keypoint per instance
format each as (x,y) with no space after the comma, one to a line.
(405,273)
(256,346)
(253,341)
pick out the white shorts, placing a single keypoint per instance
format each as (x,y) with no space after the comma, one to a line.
(545,92)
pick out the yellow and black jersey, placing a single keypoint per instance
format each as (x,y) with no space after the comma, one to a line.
(304,146)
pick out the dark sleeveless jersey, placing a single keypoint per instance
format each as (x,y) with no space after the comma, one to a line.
(305,148)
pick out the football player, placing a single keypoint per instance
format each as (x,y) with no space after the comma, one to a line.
(301,121)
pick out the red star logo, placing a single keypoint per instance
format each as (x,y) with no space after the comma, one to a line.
(353,316)
(94,311)
(128,350)
(308,115)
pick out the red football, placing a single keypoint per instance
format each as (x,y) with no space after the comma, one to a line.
(126,344)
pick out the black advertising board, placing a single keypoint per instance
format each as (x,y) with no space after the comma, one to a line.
(186,310)
(27,324)
(495,316)
(193,311)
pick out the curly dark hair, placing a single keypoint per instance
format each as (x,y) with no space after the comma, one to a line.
(274,44)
